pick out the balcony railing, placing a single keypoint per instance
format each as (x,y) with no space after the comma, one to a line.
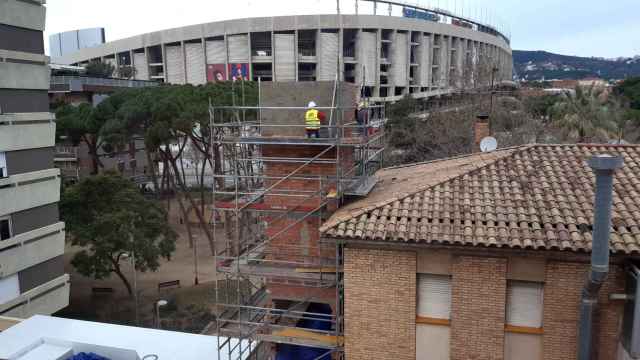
(66,153)
(27,130)
(28,249)
(94,81)
(25,191)
(44,299)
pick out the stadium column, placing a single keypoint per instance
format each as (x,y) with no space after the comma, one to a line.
(203,43)
(184,62)
(146,61)
(340,52)
(133,65)
(376,90)
(295,53)
(164,62)
(407,89)
(226,57)
(250,59)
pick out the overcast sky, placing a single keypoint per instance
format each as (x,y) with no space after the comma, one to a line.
(572,27)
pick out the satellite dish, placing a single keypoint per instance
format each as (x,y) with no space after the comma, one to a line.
(488,144)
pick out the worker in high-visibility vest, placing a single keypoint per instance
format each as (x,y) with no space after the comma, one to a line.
(312,120)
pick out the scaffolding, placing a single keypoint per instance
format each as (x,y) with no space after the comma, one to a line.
(270,195)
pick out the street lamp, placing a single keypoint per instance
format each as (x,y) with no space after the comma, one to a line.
(135,283)
(159,304)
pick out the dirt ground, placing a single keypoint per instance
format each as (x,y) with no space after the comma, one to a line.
(117,307)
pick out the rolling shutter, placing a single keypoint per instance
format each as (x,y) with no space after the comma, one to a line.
(175,68)
(434,296)
(524,304)
(367,55)
(399,61)
(216,53)
(285,57)
(195,63)
(328,61)
(238,48)
(140,64)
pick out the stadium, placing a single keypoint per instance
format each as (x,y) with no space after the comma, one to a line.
(422,52)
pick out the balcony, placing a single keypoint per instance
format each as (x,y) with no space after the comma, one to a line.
(66,153)
(25,191)
(20,70)
(44,299)
(24,14)
(27,131)
(31,248)
(87,83)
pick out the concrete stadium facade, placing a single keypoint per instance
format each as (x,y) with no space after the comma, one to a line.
(390,56)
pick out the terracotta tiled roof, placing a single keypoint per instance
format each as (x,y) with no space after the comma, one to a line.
(529,197)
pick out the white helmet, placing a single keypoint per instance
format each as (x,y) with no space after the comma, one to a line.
(311,105)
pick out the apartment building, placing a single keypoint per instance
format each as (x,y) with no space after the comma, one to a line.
(32,278)
(486,256)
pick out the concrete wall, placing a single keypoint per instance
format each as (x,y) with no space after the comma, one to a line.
(298,95)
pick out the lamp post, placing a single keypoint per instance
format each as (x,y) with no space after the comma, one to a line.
(135,283)
(159,304)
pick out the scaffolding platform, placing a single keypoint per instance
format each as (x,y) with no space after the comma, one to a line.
(273,190)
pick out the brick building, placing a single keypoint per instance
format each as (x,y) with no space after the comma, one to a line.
(485,256)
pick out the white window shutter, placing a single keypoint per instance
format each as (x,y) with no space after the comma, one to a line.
(524,304)
(434,296)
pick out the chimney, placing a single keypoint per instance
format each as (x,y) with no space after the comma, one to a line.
(604,166)
(480,131)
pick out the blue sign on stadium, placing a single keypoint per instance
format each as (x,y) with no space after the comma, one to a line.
(416,14)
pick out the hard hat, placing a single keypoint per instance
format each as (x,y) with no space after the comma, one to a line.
(311,105)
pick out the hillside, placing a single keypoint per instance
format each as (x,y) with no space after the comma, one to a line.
(535,65)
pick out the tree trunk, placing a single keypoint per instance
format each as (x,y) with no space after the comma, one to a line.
(152,169)
(199,214)
(117,271)
(185,216)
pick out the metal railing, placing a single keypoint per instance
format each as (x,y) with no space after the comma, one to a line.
(86,80)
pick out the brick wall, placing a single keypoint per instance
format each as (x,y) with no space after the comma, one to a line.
(562,291)
(380,304)
(478,291)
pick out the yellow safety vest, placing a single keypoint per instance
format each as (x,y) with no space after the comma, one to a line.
(312,120)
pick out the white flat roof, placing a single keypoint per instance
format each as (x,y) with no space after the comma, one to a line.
(85,335)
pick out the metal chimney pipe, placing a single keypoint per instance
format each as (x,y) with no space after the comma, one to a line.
(604,167)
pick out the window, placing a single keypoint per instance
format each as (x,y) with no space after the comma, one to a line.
(434,296)
(3,165)
(523,330)
(524,304)
(434,311)
(5,228)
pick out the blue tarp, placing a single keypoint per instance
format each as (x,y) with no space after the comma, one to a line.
(87,356)
(296,352)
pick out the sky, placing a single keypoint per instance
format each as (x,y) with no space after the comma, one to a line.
(572,27)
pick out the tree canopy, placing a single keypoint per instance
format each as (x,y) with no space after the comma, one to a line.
(100,69)
(109,218)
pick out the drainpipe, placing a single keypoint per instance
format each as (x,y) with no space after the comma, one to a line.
(603,166)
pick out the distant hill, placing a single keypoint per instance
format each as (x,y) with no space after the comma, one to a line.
(536,65)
